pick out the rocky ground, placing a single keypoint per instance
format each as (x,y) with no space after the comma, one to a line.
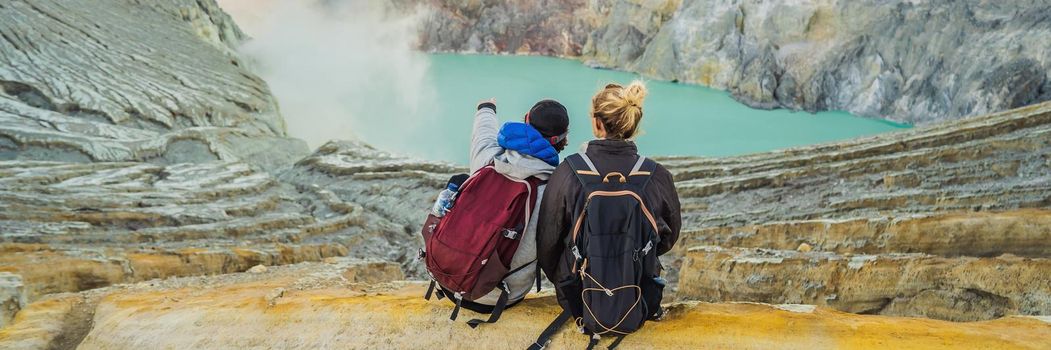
(949,222)
(162,212)
(324,305)
(903,60)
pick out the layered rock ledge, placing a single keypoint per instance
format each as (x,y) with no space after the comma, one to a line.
(918,285)
(309,306)
(68,227)
(959,197)
(977,188)
(946,194)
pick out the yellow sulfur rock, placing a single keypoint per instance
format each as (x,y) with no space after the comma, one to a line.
(37,326)
(240,316)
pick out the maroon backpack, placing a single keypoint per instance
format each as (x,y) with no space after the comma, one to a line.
(468,252)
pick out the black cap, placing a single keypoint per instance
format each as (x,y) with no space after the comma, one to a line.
(550,118)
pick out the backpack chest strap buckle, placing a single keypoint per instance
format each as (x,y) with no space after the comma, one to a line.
(639,253)
(576,255)
(509,233)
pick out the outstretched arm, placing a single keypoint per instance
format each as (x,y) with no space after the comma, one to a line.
(483,137)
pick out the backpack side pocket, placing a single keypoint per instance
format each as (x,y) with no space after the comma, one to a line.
(653,293)
(568,290)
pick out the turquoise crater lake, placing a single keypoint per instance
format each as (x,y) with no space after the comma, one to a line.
(680,119)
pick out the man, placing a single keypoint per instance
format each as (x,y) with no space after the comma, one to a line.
(520,150)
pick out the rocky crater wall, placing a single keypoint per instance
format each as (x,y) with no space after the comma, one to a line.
(906,61)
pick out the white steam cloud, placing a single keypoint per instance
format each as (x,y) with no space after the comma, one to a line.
(339,69)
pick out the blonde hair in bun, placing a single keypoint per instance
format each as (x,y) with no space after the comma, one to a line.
(619,108)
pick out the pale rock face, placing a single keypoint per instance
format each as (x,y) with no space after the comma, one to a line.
(96,85)
(257,269)
(12,297)
(908,61)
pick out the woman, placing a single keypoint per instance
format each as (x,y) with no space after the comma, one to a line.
(616,113)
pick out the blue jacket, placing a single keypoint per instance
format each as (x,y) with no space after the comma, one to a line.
(525,139)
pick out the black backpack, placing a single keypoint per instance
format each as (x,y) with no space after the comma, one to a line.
(615,284)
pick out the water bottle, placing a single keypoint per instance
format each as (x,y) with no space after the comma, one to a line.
(445,200)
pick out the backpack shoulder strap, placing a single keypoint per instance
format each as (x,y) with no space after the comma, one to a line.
(545,336)
(584,169)
(498,309)
(642,172)
(639,177)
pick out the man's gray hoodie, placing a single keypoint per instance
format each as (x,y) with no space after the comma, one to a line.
(485,149)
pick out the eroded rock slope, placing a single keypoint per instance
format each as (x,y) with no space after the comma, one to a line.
(135,144)
(122,80)
(972,193)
